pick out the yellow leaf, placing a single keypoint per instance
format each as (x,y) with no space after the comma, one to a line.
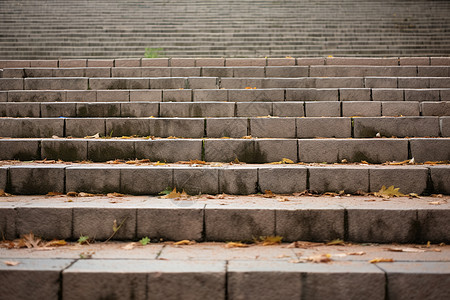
(158,163)
(336,242)
(288,57)
(304,245)
(268,194)
(172,194)
(287,161)
(389,192)
(246,137)
(270,240)
(55,243)
(236,245)
(405,162)
(3,194)
(184,242)
(54,194)
(378,260)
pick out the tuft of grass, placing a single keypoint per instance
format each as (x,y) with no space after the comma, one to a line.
(153,52)
(144,241)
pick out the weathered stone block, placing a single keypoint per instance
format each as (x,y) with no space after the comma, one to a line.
(47,222)
(64,149)
(444,126)
(210,95)
(23,109)
(36,180)
(98,109)
(40,72)
(19,149)
(289,72)
(127,62)
(422,95)
(404,108)
(413,82)
(323,109)
(362,61)
(396,126)
(310,61)
(265,95)
(226,127)
(324,127)
(182,62)
(312,95)
(253,109)
(410,179)
(140,109)
(361,108)
(81,96)
(206,62)
(272,127)
(29,128)
(197,109)
(36,96)
(185,72)
(335,82)
(169,150)
(103,63)
(7,218)
(177,95)
(197,180)
(430,149)
(127,127)
(217,72)
(334,179)
(97,180)
(13,73)
(380,82)
(288,109)
(127,72)
(98,72)
(435,108)
(155,72)
(434,225)
(202,82)
(440,176)
(72,63)
(414,61)
(248,72)
(63,72)
(387,95)
(186,127)
(145,181)
(104,150)
(433,71)
(52,110)
(354,94)
(238,181)
(154,62)
(237,62)
(282,179)
(281,61)
(145,95)
(11,84)
(241,83)
(70,83)
(85,127)
(118,83)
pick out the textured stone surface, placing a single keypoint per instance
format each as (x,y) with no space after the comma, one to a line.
(272,127)
(64,149)
(49,110)
(19,149)
(102,150)
(177,95)
(46,222)
(253,109)
(440,176)
(31,127)
(435,108)
(323,109)
(98,109)
(226,127)
(145,180)
(210,95)
(258,95)
(98,180)
(354,94)
(288,109)
(197,180)
(430,149)
(238,181)
(32,180)
(399,127)
(324,127)
(348,178)
(312,95)
(387,95)
(140,109)
(434,225)
(170,150)
(85,127)
(408,179)
(282,180)
(361,109)
(404,108)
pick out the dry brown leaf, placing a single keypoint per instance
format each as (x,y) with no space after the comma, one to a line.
(111,195)
(55,243)
(3,194)
(322,258)
(283,199)
(434,203)
(357,253)
(378,260)
(184,242)
(129,246)
(269,240)
(158,163)
(72,194)
(336,242)
(236,245)
(398,163)
(389,192)
(304,193)
(54,194)
(410,250)
(268,194)
(82,194)
(304,245)
(11,263)
(30,240)
(173,194)
(246,137)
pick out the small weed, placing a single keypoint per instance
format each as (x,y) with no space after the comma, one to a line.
(84,239)
(153,52)
(167,191)
(115,228)
(144,241)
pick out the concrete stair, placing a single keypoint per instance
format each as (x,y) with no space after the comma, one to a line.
(244,138)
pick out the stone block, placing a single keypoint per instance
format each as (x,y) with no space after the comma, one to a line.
(288,109)
(380,82)
(98,109)
(97,180)
(261,95)
(335,82)
(3,96)
(103,150)
(263,280)
(127,62)
(145,95)
(396,126)
(185,72)
(434,225)
(361,108)
(11,84)
(182,62)
(169,150)
(20,149)
(444,126)
(36,96)
(354,94)
(8,220)
(84,127)
(324,127)
(249,72)
(197,109)
(69,83)
(66,72)
(186,127)
(417,280)
(127,72)
(118,278)
(81,96)
(422,95)
(56,109)
(312,95)
(363,61)
(207,62)
(274,150)
(144,181)
(310,61)
(118,83)
(154,62)
(238,62)
(439,61)
(440,176)
(155,72)
(39,72)
(197,180)
(435,108)
(238,180)
(98,222)
(180,95)
(413,82)
(414,61)
(273,127)
(31,127)
(128,127)
(3,109)
(374,225)
(36,180)
(47,222)
(288,61)
(242,83)
(13,73)
(98,72)
(410,179)
(102,63)
(140,109)
(404,108)
(64,149)
(432,71)
(14,64)
(387,95)
(282,179)
(168,83)
(228,150)
(238,224)
(430,149)
(323,109)
(23,109)
(202,82)
(283,83)
(304,224)
(210,95)
(171,222)
(253,109)
(334,179)
(226,127)
(217,71)
(72,63)
(42,276)
(3,180)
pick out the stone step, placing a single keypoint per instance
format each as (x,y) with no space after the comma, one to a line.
(269,71)
(198,178)
(269,127)
(228,62)
(224,109)
(233,95)
(123,83)
(212,271)
(228,150)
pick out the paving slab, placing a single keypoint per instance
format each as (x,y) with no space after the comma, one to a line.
(28,180)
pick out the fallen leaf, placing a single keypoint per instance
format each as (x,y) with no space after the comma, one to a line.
(184,242)
(322,258)
(304,245)
(95,136)
(82,194)
(31,241)
(357,253)
(398,163)
(246,137)
(378,260)
(86,255)
(129,246)
(268,194)
(413,195)
(269,240)
(3,194)
(11,263)
(115,195)
(173,194)
(389,192)
(55,243)
(158,163)
(54,194)
(236,245)
(411,250)
(336,242)
(434,203)
(283,199)
(72,194)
